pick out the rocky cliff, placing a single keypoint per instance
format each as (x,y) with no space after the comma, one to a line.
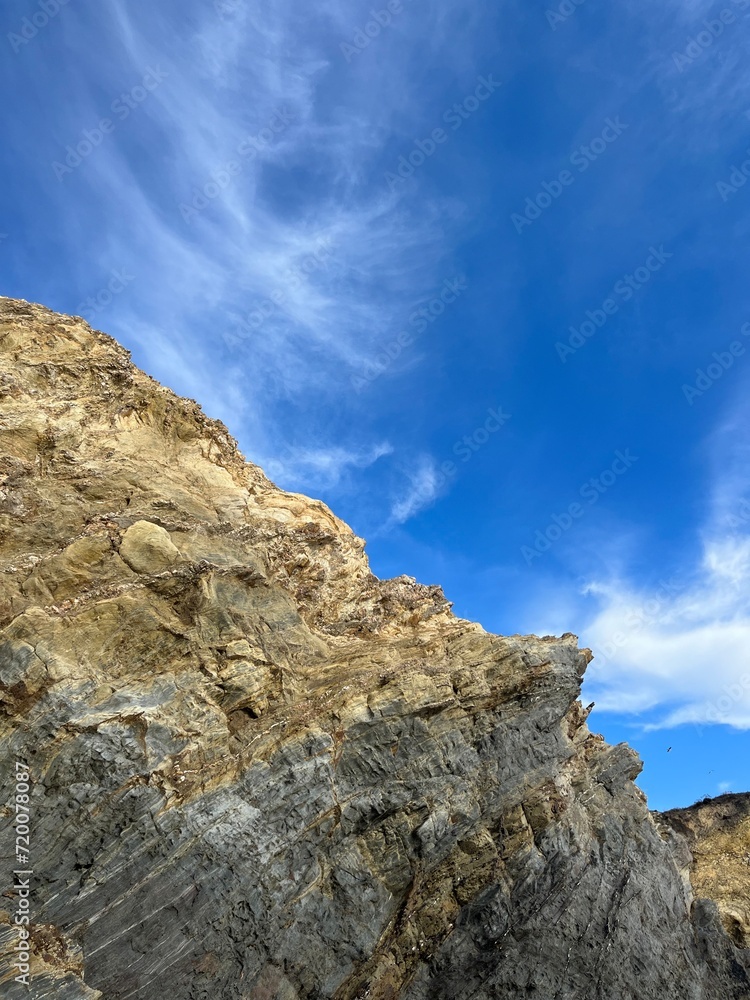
(257,771)
(717,832)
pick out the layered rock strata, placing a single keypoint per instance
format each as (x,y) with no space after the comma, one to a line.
(257,771)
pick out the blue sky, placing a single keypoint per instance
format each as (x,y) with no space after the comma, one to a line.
(475,276)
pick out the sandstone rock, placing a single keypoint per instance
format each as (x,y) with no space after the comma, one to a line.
(147,548)
(717,832)
(257,771)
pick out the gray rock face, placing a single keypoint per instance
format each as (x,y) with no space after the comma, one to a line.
(259,772)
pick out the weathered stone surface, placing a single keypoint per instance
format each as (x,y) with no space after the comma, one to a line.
(717,832)
(147,548)
(260,772)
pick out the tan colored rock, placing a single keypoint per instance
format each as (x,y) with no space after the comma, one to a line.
(246,685)
(718,835)
(241,650)
(88,562)
(147,548)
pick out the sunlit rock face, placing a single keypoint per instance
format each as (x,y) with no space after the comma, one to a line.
(717,832)
(257,771)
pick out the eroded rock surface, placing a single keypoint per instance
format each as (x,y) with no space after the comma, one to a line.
(717,832)
(260,772)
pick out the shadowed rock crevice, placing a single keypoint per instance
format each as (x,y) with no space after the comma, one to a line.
(260,772)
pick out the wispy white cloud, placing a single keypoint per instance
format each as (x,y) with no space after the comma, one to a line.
(681,649)
(322,468)
(421,489)
(203,275)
